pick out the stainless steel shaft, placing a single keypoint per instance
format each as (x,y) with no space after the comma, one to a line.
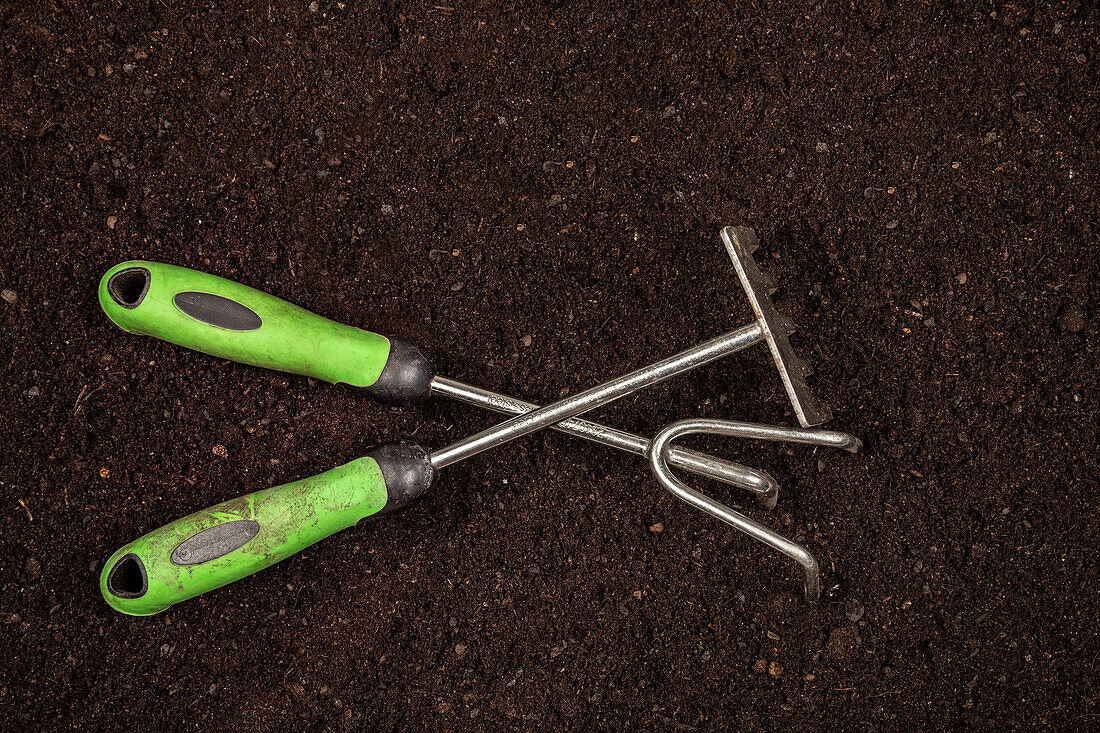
(758,482)
(597,396)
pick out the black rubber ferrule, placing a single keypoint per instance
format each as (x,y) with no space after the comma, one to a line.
(407,377)
(407,471)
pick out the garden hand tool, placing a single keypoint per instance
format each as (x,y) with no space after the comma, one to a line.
(233,321)
(237,538)
(659,448)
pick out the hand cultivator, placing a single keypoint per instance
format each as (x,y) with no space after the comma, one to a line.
(236,538)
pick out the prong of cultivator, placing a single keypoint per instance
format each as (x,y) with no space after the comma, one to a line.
(661,445)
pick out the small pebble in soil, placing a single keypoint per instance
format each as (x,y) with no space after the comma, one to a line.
(658,527)
(1071,319)
(526,340)
(775,670)
(460,649)
(822,147)
(854,610)
(220,451)
(111,221)
(9,296)
(32,392)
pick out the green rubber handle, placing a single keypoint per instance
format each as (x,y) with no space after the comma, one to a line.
(237,538)
(233,321)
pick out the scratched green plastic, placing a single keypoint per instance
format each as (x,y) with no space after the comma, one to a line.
(290,339)
(291,518)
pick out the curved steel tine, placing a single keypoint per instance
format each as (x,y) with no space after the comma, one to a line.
(759,483)
(659,448)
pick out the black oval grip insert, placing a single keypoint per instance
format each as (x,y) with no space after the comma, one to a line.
(213,542)
(217,311)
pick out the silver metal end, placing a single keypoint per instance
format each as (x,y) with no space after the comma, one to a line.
(850,443)
(740,243)
(661,448)
(658,452)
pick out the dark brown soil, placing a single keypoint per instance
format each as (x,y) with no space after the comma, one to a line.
(924,181)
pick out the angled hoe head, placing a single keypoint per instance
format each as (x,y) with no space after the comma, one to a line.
(741,242)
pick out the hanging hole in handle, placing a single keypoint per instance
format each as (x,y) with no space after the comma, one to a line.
(128,287)
(127,578)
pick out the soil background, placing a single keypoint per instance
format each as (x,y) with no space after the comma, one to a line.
(533,193)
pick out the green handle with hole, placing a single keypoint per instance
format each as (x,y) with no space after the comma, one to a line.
(234,539)
(233,321)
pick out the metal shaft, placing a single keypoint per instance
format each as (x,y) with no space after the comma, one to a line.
(598,396)
(758,482)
